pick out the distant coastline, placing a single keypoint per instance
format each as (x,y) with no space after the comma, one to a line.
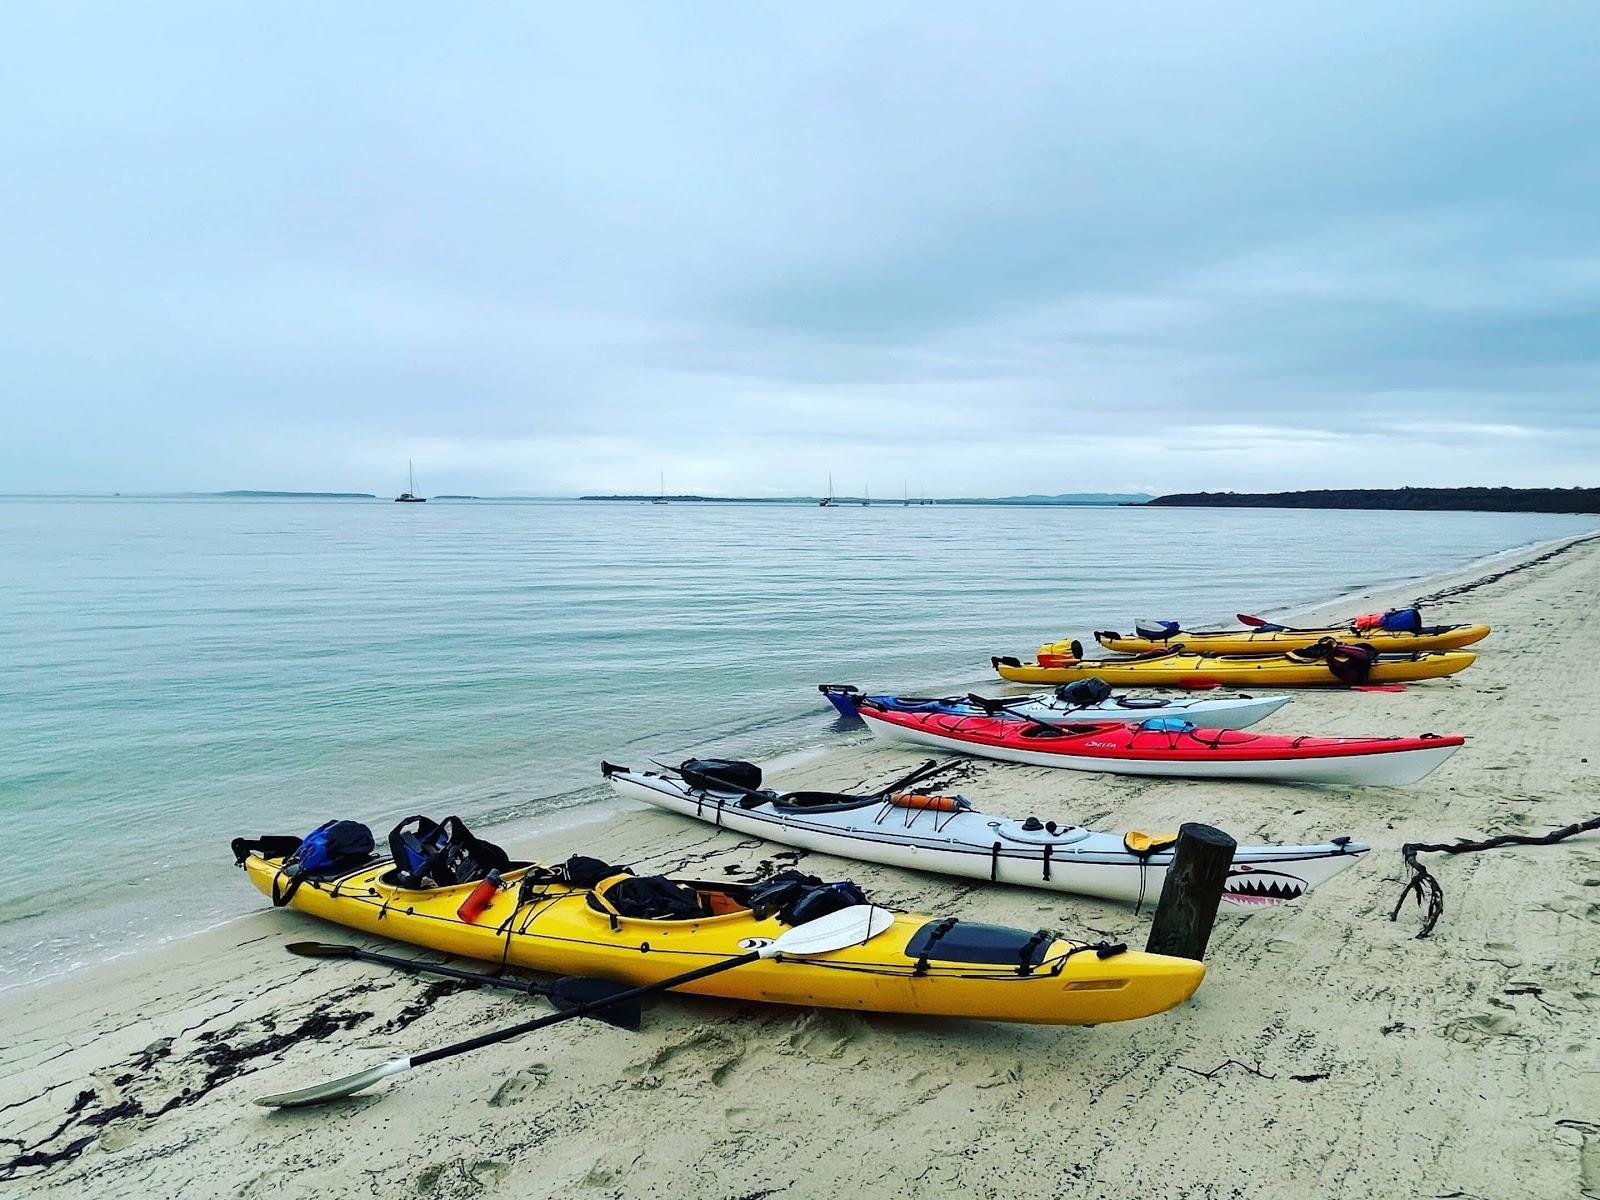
(1466,499)
(255,495)
(1085,499)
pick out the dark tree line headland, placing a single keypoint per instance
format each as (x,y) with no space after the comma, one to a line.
(1468,499)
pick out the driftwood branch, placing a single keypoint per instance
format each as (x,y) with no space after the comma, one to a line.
(1426,888)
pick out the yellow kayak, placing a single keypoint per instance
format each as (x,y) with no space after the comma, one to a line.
(1258,641)
(1318,666)
(920,964)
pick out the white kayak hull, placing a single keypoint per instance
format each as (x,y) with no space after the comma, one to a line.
(1205,712)
(1388,768)
(974,845)
(1224,712)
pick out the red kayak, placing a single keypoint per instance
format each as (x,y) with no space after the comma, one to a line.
(1167,747)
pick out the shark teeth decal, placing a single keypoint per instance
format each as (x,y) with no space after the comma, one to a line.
(1258,887)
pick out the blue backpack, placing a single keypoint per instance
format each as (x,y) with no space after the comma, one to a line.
(334,845)
(1401,620)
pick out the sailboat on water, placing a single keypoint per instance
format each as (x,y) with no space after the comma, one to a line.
(662,498)
(827,501)
(866,501)
(409,496)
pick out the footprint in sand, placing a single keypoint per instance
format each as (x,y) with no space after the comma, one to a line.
(1482,1026)
(1589,1166)
(459,1177)
(516,1086)
(717,1052)
(826,1035)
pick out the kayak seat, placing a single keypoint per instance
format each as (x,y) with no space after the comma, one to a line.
(1143,845)
(1160,652)
(648,898)
(758,798)
(822,802)
(1141,702)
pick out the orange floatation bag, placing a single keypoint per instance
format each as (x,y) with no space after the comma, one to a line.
(927,803)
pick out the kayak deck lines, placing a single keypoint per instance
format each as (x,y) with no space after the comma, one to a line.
(1198,753)
(975,845)
(562,929)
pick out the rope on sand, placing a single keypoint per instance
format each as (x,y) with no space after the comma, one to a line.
(1423,884)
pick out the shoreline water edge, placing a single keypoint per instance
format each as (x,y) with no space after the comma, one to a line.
(1363,1062)
(801,741)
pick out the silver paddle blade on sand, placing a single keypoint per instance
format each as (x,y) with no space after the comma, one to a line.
(335,1089)
(846,927)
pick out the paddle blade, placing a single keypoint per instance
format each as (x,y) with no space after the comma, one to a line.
(845,927)
(334,1089)
(320,950)
(1247,619)
(575,991)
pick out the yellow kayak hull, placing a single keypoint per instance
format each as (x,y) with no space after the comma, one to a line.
(1250,641)
(557,931)
(1224,670)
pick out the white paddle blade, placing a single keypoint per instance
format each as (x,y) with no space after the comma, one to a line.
(845,927)
(335,1089)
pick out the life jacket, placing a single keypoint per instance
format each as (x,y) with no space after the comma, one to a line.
(1054,655)
(442,853)
(1351,664)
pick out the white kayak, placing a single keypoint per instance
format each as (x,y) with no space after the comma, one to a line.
(945,834)
(1210,712)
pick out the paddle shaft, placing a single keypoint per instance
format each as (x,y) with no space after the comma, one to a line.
(504,1035)
(926,767)
(994,706)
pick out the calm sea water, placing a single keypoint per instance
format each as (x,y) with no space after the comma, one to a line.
(179,672)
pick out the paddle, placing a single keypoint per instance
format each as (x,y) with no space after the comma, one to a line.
(994,706)
(1247,619)
(906,780)
(846,927)
(565,993)
(925,768)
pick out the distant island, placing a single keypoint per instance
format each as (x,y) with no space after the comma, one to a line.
(1074,498)
(295,495)
(1467,499)
(1065,498)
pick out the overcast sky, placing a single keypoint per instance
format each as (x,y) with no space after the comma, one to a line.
(987,249)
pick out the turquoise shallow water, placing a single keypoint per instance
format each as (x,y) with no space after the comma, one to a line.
(178,672)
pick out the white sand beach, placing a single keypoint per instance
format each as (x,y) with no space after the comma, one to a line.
(1328,1053)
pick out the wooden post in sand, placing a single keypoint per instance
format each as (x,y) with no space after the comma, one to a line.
(1191,893)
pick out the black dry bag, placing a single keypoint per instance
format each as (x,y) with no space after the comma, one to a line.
(1081,693)
(445,852)
(721,772)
